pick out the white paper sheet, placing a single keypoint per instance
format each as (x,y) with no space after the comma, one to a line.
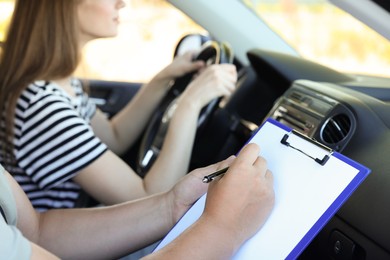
(304,192)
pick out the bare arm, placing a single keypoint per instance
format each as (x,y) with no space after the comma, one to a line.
(110,232)
(123,129)
(94,233)
(175,154)
(39,253)
(111,181)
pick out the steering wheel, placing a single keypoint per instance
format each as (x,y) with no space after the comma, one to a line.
(211,52)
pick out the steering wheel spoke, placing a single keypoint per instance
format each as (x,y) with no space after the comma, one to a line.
(150,156)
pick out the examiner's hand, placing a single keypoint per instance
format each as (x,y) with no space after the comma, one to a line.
(240,201)
(237,205)
(191,187)
(243,198)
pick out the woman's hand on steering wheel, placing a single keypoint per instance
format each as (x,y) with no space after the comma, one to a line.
(199,83)
(214,81)
(180,66)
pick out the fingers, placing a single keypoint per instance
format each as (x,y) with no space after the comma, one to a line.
(226,163)
(201,172)
(216,81)
(183,64)
(220,78)
(228,70)
(261,164)
(193,65)
(249,153)
(248,156)
(269,176)
(245,194)
(249,162)
(197,65)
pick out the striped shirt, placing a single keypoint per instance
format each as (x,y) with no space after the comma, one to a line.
(53,142)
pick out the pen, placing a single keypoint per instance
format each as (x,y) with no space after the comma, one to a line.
(210,177)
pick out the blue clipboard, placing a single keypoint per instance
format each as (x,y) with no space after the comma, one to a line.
(311,183)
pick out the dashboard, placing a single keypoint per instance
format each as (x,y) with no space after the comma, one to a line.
(349,116)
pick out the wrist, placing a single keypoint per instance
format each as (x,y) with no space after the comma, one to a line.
(175,211)
(178,204)
(189,104)
(163,78)
(222,237)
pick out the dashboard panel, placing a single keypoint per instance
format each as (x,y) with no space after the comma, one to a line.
(357,125)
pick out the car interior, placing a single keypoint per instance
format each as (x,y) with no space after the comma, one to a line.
(323,104)
(347,113)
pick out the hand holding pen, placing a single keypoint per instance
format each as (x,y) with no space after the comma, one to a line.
(246,188)
(212,176)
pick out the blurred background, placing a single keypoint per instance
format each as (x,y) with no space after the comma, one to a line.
(150,30)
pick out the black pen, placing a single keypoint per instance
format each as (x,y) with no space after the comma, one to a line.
(210,177)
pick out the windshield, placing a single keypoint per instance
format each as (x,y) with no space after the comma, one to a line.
(321,32)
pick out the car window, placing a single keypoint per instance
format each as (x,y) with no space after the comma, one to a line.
(325,34)
(6,8)
(148,34)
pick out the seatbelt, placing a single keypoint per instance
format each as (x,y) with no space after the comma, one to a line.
(3,214)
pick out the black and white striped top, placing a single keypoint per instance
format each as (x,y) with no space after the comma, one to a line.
(53,142)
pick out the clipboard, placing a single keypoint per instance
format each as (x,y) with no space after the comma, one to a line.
(311,183)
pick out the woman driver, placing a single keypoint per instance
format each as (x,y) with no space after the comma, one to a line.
(55,141)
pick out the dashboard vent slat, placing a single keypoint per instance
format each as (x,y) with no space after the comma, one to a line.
(336,129)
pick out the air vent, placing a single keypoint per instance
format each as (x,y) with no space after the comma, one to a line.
(336,129)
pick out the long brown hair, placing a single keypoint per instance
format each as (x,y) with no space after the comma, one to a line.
(41,44)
